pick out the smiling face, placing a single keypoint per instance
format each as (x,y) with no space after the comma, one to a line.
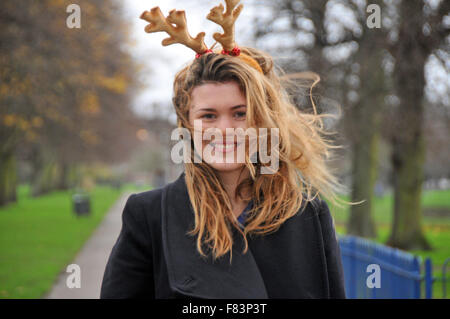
(219,106)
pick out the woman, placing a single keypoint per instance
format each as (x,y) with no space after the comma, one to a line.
(226,229)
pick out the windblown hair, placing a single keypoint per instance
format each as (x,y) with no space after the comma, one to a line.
(303,172)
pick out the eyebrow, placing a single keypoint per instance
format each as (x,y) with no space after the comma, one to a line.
(213,110)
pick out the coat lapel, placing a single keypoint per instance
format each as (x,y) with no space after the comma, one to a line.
(202,277)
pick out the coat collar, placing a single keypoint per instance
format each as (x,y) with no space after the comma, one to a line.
(196,276)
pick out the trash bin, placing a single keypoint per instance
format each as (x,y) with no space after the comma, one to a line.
(81,204)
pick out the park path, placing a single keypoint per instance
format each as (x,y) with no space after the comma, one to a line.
(93,257)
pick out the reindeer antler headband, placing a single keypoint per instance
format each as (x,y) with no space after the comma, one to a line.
(175,25)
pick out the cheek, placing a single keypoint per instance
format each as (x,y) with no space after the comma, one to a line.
(242,124)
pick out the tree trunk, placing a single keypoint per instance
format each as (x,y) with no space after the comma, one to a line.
(407,141)
(364,165)
(365,130)
(63,176)
(8,178)
(408,159)
(46,179)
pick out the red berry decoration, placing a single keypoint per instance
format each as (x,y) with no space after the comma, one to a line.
(200,54)
(235,52)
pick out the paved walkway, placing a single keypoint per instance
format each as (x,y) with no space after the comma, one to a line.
(93,257)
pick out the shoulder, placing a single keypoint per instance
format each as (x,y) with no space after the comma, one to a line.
(326,220)
(145,199)
(321,208)
(144,206)
(314,208)
(318,209)
(148,207)
(152,199)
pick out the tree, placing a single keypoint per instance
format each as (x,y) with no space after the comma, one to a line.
(363,122)
(420,31)
(65,93)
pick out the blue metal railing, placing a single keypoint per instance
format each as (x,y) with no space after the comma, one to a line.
(399,273)
(444,278)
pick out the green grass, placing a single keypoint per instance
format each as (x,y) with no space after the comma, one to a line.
(39,236)
(383,207)
(436,198)
(437,230)
(136,188)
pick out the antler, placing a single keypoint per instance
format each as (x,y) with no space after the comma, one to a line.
(178,33)
(226,21)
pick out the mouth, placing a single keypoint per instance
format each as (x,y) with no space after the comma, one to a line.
(224,147)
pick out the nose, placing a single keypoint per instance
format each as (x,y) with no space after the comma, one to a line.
(224,123)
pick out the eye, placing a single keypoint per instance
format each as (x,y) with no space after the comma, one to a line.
(208,116)
(240,114)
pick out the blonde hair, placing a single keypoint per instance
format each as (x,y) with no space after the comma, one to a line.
(303,173)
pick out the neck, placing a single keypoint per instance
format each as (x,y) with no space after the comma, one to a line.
(231,179)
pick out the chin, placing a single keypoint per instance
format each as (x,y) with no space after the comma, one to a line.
(227,167)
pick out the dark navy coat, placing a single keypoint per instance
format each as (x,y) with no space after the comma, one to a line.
(155,258)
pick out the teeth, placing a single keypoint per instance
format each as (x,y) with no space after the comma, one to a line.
(224,146)
(227,147)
